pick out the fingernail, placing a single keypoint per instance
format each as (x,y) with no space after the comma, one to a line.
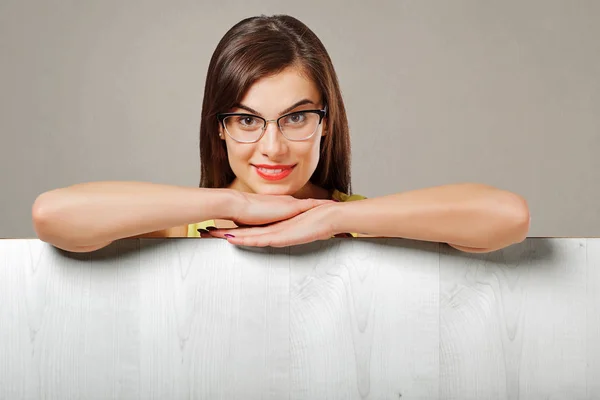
(227,235)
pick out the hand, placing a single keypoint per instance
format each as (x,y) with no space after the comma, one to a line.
(314,224)
(261,209)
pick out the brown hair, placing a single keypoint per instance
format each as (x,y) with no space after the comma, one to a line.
(261,46)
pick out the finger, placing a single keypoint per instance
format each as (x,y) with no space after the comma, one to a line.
(220,233)
(259,237)
(259,241)
(236,232)
(274,239)
(249,230)
(204,233)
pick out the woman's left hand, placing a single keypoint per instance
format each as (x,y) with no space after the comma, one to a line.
(309,226)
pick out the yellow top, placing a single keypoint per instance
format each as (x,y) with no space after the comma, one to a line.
(336,195)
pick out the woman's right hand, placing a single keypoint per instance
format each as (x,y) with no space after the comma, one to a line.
(262,209)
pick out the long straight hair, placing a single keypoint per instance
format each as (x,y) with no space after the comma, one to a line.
(258,47)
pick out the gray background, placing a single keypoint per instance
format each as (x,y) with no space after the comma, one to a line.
(503,93)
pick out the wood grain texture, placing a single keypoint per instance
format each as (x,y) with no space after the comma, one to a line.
(69,326)
(593,322)
(364,320)
(214,321)
(339,319)
(513,322)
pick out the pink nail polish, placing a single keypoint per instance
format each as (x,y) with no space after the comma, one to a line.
(227,235)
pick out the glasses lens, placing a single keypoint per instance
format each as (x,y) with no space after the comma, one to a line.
(299,125)
(244,128)
(296,126)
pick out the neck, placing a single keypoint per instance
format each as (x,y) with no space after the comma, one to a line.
(311,191)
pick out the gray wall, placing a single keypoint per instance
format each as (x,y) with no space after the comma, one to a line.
(504,93)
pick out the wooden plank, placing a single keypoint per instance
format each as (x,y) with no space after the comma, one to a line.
(345,318)
(593,314)
(214,320)
(364,320)
(68,330)
(512,322)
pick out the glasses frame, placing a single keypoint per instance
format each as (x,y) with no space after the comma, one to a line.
(221,118)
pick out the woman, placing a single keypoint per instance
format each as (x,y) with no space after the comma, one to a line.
(275,167)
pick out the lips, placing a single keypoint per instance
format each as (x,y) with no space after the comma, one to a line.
(273,172)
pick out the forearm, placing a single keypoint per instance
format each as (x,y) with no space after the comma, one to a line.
(471,215)
(99,212)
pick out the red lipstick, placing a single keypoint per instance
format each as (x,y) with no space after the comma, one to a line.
(273,172)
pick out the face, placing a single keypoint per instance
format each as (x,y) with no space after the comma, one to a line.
(270,98)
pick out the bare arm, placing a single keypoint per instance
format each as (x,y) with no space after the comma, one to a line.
(473,218)
(89,216)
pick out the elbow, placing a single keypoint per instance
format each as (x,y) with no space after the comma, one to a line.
(45,217)
(521,219)
(42,216)
(513,226)
(49,225)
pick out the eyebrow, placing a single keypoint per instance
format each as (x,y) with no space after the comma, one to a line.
(297,104)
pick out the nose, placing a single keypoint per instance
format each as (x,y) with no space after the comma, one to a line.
(273,144)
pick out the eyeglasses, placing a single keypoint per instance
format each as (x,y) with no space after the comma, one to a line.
(249,128)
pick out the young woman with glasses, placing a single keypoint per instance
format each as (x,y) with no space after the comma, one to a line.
(275,167)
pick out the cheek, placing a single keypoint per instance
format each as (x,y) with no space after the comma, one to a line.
(239,157)
(309,154)
(239,154)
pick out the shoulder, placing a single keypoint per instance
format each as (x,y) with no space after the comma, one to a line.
(343,197)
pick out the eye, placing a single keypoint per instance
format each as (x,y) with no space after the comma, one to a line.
(294,119)
(247,121)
